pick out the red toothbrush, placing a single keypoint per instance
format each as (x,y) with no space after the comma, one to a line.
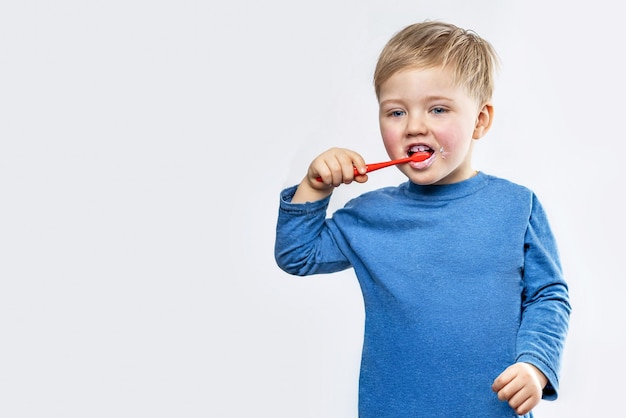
(416,157)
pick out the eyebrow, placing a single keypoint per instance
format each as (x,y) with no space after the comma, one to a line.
(425,99)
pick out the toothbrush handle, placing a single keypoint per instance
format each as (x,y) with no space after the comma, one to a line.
(376,166)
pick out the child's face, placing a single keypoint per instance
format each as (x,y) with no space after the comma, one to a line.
(422,109)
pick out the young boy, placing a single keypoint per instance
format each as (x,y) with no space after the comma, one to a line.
(466,308)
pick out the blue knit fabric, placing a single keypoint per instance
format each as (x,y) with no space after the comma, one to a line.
(459,281)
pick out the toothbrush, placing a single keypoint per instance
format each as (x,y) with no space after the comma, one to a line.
(415,157)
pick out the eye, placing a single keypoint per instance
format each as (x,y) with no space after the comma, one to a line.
(439,110)
(397,113)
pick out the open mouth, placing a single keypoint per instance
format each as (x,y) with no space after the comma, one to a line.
(420,148)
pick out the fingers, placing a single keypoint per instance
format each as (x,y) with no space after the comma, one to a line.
(520,398)
(336,166)
(525,406)
(503,379)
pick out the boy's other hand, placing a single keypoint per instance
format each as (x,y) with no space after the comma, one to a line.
(521,385)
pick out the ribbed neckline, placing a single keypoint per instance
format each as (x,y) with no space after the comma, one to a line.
(447,191)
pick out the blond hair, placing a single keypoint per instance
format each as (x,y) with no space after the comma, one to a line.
(431,44)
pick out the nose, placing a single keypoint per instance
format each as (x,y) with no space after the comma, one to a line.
(416,125)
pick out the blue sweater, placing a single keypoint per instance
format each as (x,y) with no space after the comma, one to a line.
(459,282)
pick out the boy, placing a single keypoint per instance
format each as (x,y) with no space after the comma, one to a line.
(466,308)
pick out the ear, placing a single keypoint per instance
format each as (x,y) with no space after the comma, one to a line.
(483,121)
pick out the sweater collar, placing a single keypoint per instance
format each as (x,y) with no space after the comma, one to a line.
(448,191)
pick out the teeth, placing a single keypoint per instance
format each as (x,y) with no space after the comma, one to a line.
(419,148)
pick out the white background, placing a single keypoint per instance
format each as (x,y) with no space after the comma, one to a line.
(143,145)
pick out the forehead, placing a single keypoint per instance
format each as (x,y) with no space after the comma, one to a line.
(422,86)
(416,80)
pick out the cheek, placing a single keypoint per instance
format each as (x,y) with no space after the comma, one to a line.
(390,134)
(451,138)
(392,143)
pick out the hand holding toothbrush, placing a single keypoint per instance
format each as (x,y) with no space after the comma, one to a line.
(338,166)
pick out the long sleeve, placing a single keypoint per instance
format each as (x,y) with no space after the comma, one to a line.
(545,302)
(303,243)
